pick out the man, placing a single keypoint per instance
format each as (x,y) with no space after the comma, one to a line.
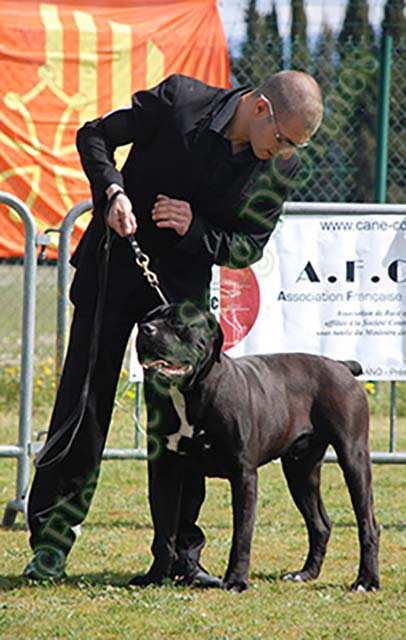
(203,184)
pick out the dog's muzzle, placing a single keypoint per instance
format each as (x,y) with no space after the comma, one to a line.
(152,359)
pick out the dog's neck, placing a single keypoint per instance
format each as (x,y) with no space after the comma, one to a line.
(202,374)
(206,378)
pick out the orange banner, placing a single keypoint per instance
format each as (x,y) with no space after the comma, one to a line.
(66,62)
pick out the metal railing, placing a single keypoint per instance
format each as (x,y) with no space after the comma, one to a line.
(21,451)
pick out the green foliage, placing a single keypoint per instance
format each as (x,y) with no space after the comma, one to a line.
(359,66)
(9,386)
(262,47)
(44,386)
(381,394)
(356,26)
(300,54)
(394,22)
(396,169)
(274,45)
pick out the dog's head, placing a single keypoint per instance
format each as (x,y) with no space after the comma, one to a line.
(178,342)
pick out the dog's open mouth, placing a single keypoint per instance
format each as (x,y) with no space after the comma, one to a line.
(168,369)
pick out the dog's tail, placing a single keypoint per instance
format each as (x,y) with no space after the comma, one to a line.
(353,366)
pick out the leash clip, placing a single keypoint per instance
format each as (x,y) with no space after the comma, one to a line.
(142,260)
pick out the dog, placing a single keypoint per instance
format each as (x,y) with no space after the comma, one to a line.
(258,408)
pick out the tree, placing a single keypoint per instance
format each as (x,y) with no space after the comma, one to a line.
(358,90)
(244,65)
(356,26)
(322,172)
(325,59)
(394,21)
(300,54)
(394,24)
(262,51)
(274,44)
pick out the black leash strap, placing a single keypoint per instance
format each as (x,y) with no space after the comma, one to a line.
(75,420)
(73,423)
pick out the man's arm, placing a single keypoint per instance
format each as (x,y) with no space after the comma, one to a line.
(97,141)
(231,249)
(256,220)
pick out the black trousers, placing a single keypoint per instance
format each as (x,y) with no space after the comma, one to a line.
(61,493)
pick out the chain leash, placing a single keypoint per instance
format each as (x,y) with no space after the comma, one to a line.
(142,260)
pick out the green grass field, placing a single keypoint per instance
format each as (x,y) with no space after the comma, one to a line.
(115,543)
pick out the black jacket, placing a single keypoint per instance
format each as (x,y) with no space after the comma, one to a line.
(178,150)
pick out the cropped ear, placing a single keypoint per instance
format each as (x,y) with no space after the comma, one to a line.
(217,332)
(219,341)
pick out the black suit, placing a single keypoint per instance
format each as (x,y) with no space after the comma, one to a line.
(179,151)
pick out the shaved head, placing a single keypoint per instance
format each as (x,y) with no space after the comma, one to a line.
(295,94)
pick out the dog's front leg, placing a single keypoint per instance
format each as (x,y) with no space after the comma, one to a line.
(244,499)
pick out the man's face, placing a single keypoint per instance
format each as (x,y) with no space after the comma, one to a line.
(272,136)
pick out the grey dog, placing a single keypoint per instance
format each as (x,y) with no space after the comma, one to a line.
(259,408)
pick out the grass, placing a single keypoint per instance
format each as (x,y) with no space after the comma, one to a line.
(95,603)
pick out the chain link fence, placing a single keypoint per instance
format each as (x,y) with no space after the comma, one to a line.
(340,164)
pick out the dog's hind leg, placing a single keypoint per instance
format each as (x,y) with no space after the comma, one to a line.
(354,459)
(303,477)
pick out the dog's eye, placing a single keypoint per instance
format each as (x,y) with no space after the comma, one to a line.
(182,332)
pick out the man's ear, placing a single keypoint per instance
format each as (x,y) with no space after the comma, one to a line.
(260,108)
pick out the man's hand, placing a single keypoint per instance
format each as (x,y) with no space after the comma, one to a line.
(172,214)
(121,217)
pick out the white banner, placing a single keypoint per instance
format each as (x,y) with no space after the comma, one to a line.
(333,285)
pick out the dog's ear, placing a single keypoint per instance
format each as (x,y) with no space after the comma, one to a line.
(218,345)
(218,335)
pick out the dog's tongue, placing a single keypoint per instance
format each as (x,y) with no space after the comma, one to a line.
(154,363)
(167,368)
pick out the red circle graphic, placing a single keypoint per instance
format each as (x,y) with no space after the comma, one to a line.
(239,304)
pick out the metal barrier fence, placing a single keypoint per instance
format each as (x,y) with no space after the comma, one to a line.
(21,451)
(25,447)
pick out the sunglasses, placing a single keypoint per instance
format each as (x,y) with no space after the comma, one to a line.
(287,144)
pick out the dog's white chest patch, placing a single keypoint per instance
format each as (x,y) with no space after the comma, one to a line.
(185,429)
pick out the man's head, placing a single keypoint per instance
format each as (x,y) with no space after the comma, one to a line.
(280,115)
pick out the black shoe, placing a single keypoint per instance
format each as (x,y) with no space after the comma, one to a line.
(197,576)
(47,564)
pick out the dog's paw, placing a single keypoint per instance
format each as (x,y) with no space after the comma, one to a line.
(297,576)
(362,585)
(235,586)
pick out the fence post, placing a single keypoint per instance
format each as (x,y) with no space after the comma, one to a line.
(381,171)
(63,278)
(22,450)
